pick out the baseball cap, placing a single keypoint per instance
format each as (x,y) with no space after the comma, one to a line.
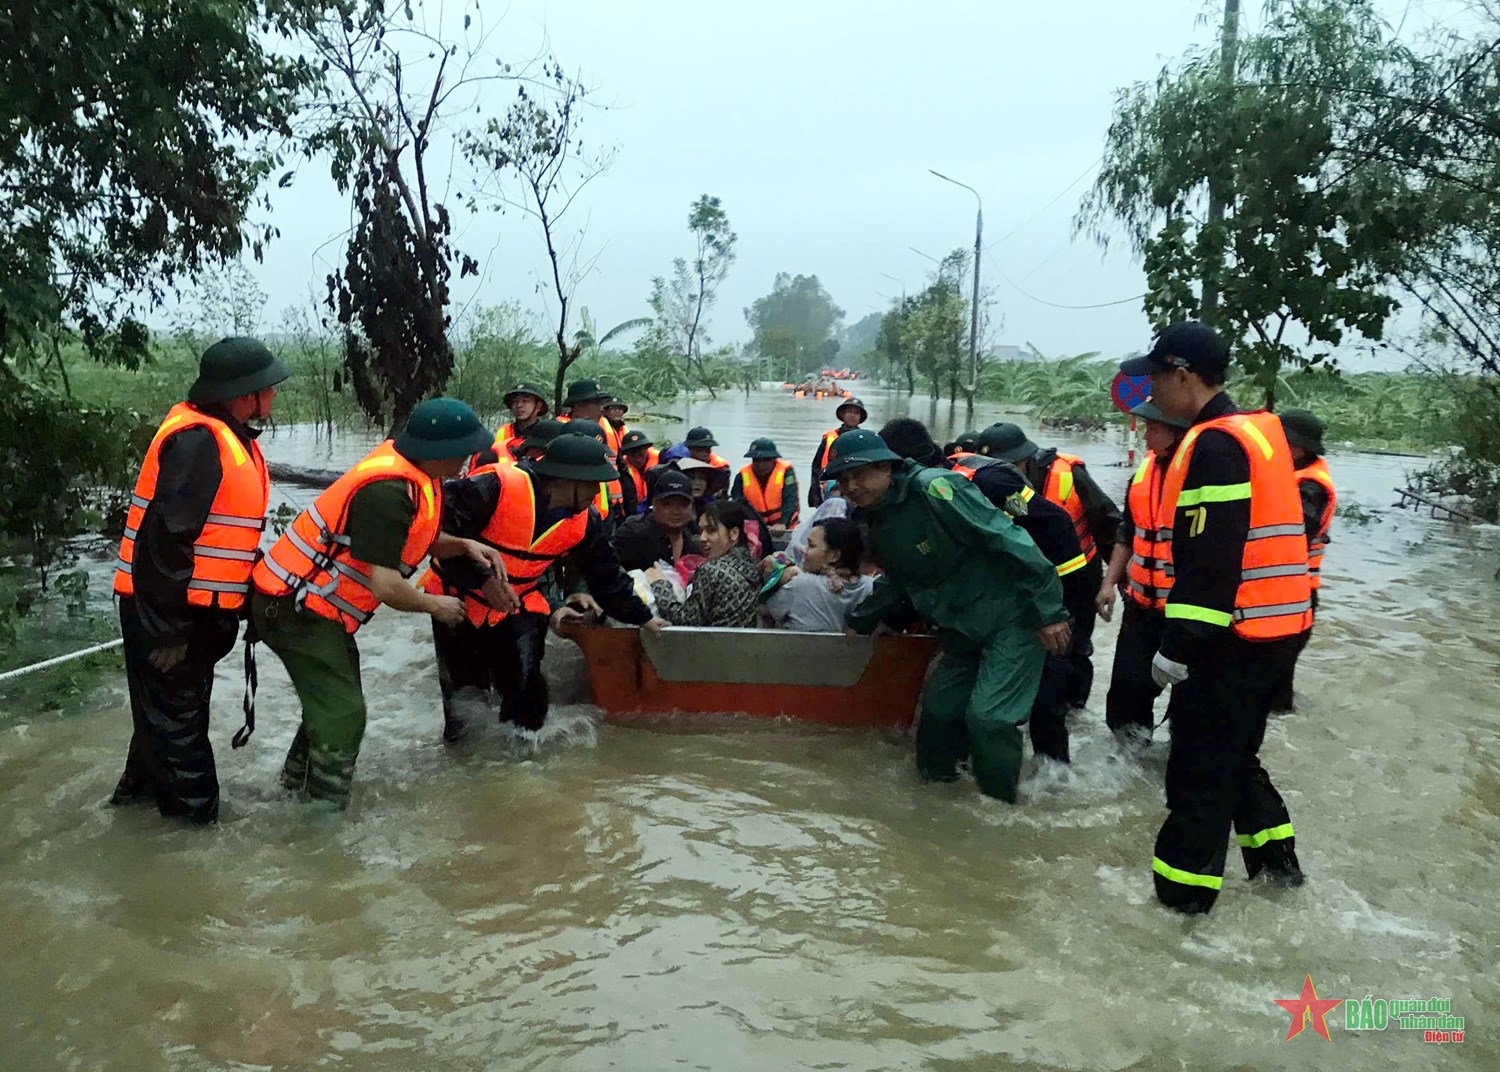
(1189,344)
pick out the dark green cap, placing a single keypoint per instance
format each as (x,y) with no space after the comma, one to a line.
(1150,411)
(541,433)
(1006,442)
(761,449)
(635,441)
(616,403)
(852,403)
(442,428)
(584,391)
(576,457)
(234,367)
(1303,429)
(583,430)
(529,389)
(700,437)
(854,450)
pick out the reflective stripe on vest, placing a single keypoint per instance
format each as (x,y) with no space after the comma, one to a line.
(527,557)
(1149,570)
(312,557)
(1060,489)
(1317,471)
(1274,598)
(765,500)
(224,552)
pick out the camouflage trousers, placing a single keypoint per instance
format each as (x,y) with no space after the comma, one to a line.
(323,663)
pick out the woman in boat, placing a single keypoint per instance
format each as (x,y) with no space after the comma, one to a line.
(725,587)
(815,598)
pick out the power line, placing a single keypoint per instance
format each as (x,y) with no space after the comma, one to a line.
(1056,305)
(1061,194)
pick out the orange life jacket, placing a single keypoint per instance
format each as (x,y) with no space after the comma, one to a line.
(964,464)
(610,492)
(507,441)
(1149,572)
(225,551)
(1060,490)
(312,557)
(510,530)
(1274,599)
(1317,471)
(766,500)
(638,476)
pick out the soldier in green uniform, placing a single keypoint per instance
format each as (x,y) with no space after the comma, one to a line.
(954,561)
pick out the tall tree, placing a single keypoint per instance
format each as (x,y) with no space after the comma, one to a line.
(539,147)
(794,324)
(681,303)
(1310,234)
(133,137)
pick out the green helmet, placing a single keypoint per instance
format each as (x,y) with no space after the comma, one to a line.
(576,457)
(584,391)
(527,389)
(1303,429)
(234,367)
(854,450)
(1007,442)
(635,440)
(541,433)
(442,428)
(761,449)
(1150,411)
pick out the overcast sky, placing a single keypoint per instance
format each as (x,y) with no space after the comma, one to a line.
(816,122)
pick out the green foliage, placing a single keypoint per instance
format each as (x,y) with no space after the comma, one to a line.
(1311,234)
(794,325)
(680,304)
(134,138)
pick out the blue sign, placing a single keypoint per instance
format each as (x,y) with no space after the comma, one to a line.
(1127,392)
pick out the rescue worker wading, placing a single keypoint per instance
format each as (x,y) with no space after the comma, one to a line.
(1063,479)
(1304,433)
(953,560)
(535,514)
(183,576)
(851,413)
(1050,529)
(1240,597)
(1140,570)
(343,557)
(768,485)
(585,402)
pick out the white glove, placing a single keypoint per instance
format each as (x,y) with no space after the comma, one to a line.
(1165,672)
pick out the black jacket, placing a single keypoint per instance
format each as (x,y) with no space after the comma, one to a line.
(1099,511)
(640,543)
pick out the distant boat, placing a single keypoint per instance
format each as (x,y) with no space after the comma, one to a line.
(768,673)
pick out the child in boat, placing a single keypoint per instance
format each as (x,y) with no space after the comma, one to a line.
(725,587)
(813,599)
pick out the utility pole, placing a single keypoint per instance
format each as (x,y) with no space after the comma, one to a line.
(973,386)
(900,318)
(1208,308)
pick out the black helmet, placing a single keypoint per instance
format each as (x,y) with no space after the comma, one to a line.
(1007,442)
(234,367)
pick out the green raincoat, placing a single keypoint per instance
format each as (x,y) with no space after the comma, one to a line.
(953,560)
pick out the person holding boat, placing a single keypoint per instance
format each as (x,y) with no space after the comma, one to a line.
(1050,529)
(344,557)
(1140,570)
(1304,433)
(851,413)
(955,561)
(1065,480)
(183,576)
(724,588)
(533,514)
(816,597)
(1240,599)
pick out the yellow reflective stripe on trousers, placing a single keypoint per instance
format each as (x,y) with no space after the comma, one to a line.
(1198,614)
(1072,565)
(1274,833)
(1214,493)
(1186,878)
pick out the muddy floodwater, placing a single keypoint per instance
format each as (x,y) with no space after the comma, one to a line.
(720,893)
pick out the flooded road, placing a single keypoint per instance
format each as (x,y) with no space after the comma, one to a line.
(727,894)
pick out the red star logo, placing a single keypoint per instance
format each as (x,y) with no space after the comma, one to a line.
(1309,1009)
